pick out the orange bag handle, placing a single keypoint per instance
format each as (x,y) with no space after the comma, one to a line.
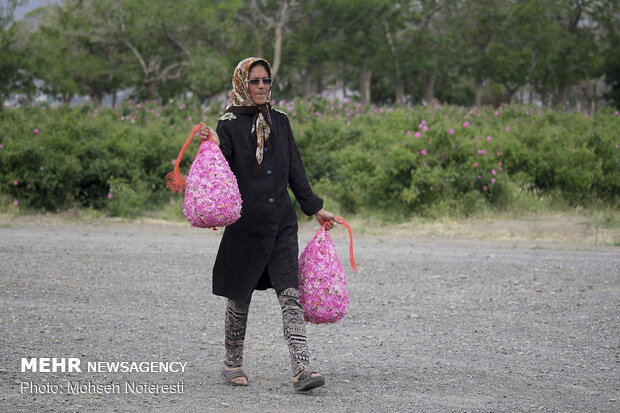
(174,180)
(346,224)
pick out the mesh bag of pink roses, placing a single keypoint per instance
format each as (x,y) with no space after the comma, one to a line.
(212,197)
(323,292)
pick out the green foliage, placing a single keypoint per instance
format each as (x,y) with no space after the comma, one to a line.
(384,51)
(361,159)
(15,67)
(504,158)
(112,159)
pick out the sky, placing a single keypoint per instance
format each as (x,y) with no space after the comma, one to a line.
(30,5)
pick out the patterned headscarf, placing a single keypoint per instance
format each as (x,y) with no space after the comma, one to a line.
(241,102)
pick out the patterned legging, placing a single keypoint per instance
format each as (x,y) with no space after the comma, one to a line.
(294,330)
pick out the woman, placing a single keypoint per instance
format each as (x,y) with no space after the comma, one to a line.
(260,250)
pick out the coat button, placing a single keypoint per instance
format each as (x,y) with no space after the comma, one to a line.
(269,172)
(274,228)
(266,150)
(271,200)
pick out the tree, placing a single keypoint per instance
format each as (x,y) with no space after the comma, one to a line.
(479,22)
(570,50)
(75,52)
(608,15)
(149,31)
(57,61)
(15,67)
(361,35)
(258,18)
(512,54)
(429,44)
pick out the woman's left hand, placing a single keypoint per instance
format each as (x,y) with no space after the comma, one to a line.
(207,133)
(324,216)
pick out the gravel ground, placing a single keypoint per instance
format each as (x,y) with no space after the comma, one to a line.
(435,324)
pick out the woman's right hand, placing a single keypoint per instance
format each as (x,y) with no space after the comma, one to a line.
(207,133)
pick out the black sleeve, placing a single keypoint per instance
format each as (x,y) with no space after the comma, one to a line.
(298,180)
(223,133)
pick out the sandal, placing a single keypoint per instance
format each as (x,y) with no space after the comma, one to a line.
(230,374)
(308,380)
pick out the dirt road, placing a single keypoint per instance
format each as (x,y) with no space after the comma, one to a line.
(436,324)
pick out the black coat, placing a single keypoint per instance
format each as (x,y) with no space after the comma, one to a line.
(260,250)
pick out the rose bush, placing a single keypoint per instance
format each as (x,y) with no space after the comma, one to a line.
(400,161)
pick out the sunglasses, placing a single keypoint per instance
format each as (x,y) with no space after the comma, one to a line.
(255,82)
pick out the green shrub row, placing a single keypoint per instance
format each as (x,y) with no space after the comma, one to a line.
(409,159)
(112,159)
(396,160)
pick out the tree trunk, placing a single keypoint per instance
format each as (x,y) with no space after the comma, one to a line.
(400,92)
(306,83)
(429,88)
(277,51)
(399,85)
(114,98)
(365,76)
(97,97)
(562,94)
(151,90)
(479,92)
(260,48)
(510,92)
(319,84)
(398,82)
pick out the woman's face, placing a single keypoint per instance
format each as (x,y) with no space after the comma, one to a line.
(260,92)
